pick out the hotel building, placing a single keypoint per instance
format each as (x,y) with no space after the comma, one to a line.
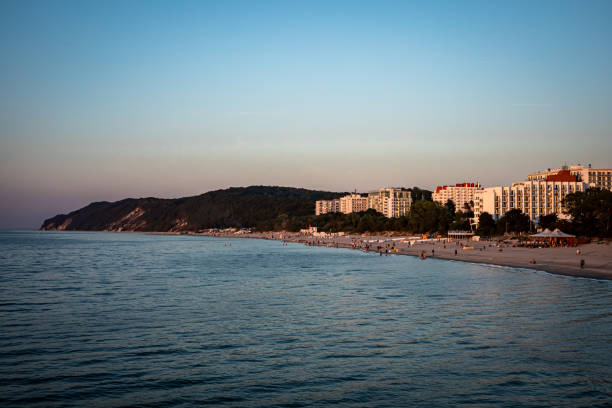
(327,206)
(392,202)
(459,194)
(534,197)
(347,204)
(601,178)
(353,203)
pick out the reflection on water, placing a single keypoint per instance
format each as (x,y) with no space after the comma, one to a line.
(118,319)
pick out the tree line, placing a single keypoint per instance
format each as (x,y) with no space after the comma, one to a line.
(424,217)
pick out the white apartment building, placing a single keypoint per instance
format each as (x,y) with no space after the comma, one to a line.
(600,177)
(533,197)
(353,203)
(459,194)
(327,206)
(392,202)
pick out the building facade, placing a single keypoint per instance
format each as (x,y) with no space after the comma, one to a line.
(353,203)
(392,202)
(600,177)
(327,206)
(534,197)
(459,194)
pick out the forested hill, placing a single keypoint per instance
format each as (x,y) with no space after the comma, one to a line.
(256,207)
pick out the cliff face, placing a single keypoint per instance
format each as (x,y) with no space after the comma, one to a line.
(256,206)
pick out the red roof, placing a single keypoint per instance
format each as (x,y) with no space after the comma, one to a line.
(440,188)
(562,175)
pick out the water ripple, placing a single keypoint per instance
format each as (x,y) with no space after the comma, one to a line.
(104,319)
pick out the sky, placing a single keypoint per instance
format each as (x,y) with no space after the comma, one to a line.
(103,100)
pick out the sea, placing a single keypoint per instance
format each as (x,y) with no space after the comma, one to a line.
(126,319)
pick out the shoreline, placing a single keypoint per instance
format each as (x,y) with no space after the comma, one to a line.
(557,261)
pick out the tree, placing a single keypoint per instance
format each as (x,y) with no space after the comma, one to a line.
(590,211)
(425,216)
(513,221)
(486,225)
(461,222)
(444,219)
(418,194)
(468,209)
(450,207)
(548,221)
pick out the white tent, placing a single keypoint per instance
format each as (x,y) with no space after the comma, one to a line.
(557,233)
(544,234)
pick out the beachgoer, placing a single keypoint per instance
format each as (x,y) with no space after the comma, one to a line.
(582,263)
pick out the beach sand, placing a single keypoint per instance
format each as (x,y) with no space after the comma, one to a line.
(562,261)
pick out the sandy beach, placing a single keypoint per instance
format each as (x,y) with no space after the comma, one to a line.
(562,261)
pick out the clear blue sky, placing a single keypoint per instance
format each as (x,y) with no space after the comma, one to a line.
(102,100)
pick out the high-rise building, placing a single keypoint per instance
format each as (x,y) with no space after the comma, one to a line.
(533,197)
(391,202)
(327,206)
(353,203)
(600,177)
(459,194)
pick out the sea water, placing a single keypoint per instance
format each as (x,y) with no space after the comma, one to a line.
(122,319)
